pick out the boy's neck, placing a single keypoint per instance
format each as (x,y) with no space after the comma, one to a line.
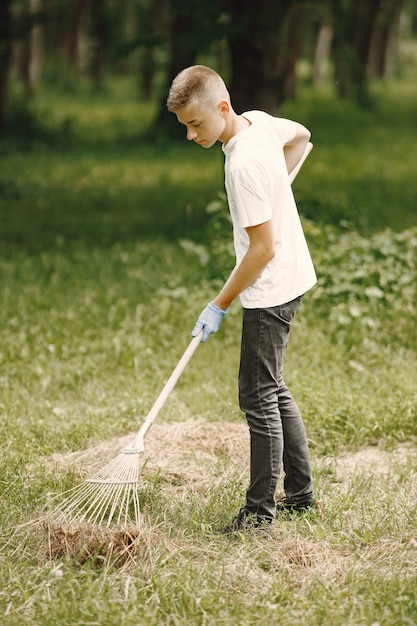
(237,124)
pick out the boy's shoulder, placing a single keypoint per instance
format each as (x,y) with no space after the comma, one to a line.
(277,129)
(263,117)
(256,116)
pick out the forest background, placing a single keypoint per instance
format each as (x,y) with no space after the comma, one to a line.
(115,234)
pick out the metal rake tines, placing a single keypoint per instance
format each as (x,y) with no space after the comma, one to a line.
(100,504)
(110,497)
(123,468)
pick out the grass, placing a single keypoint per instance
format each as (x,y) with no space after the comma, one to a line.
(107,256)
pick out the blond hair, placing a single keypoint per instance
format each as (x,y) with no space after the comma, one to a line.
(197,83)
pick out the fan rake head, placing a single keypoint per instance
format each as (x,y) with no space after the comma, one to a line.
(108,498)
(111,496)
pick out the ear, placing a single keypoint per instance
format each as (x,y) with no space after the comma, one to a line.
(224,108)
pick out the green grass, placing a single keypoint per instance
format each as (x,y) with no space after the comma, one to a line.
(107,256)
(125,193)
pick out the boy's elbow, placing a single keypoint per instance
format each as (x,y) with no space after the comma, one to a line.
(262,255)
(302,132)
(268,250)
(268,253)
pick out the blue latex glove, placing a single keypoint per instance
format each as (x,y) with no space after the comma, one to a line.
(209,321)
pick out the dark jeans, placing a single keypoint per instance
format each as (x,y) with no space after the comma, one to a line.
(276,427)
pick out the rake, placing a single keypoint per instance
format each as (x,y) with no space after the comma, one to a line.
(111,496)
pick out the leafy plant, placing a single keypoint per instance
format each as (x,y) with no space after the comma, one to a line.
(367,285)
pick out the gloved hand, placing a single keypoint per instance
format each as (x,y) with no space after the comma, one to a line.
(209,321)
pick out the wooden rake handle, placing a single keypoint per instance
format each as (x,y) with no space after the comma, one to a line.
(137,444)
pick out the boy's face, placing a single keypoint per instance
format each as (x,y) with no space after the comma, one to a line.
(204,125)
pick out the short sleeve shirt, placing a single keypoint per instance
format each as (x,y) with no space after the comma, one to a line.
(258,190)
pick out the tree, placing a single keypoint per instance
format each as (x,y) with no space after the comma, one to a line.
(28,18)
(260,43)
(77,15)
(264,42)
(354,22)
(260,53)
(98,32)
(192,29)
(321,28)
(383,41)
(5,59)
(152,31)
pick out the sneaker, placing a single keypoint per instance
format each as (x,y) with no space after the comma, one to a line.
(292,506)
(244,521)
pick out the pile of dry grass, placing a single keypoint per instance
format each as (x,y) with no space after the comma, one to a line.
(77,543)
(190,457)
(100,546)
(183,452)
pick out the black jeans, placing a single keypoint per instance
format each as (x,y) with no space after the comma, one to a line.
(276,427)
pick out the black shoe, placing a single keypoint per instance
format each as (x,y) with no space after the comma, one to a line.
(293,506)
(247,521)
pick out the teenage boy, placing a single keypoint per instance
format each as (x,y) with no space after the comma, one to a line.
(273,271)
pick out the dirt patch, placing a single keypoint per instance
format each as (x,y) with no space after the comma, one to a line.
(190,451)
(185,452)
(371,460)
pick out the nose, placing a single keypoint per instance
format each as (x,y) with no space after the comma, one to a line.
(191,134)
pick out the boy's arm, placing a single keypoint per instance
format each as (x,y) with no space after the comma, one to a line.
(295,149)
(294,172)
(261,250)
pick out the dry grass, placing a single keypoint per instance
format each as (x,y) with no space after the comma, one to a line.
(181,451)
(125,547)
(197,457)
(187,455)
(101,546)
(300,561)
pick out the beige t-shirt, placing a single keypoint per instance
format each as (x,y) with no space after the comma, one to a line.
(258,190)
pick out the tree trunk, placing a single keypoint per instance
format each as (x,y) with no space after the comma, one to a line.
(354,23)
(182,53)
(295,47)
(322,52)
(73,36)
(98,40)
(152,26)
(5,59)
(383,42)
(259,54)
(34,48)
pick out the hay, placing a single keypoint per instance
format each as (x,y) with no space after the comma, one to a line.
(186,453)
(102,547)
(187,449)
(194,457)
(181,455)
(75,544)
(284,554)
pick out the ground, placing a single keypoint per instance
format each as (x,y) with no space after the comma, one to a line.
(195,457)
(186,455)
